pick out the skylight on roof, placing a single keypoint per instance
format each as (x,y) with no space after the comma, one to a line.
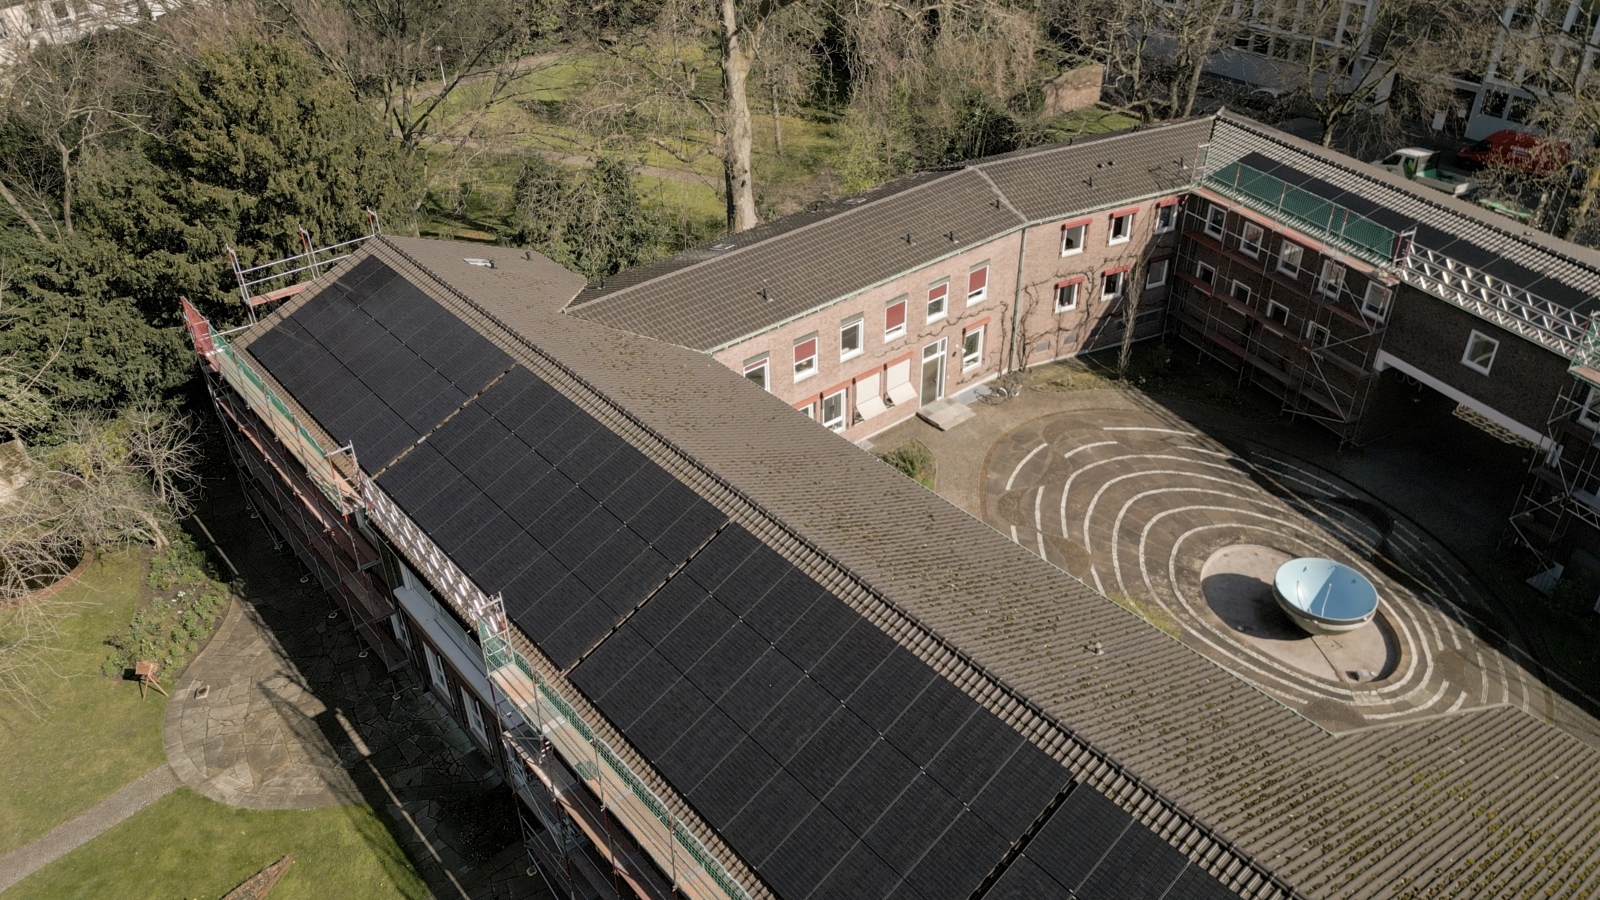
(477,261)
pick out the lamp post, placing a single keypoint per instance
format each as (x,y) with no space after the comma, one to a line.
(438,54)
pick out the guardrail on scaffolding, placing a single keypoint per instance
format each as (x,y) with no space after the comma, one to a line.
(219,354)
(1586,355)
(292,269)
(1339,226)
(694,870)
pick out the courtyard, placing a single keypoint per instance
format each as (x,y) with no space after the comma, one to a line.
(1180,510)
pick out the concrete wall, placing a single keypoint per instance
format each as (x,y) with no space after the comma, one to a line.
(1077,89)
(1431,335)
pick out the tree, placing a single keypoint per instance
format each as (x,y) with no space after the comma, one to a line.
(592,221)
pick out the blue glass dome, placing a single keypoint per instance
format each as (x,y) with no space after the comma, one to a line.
(1322,594)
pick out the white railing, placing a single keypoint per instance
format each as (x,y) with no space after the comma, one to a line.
(1513,308)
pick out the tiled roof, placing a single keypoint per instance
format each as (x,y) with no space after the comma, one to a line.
(1491,803)
(715,295)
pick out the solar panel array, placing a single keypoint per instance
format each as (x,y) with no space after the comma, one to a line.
(381,368)
(833,760)
(1090,847)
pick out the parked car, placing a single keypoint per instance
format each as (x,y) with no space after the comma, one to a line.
(1421,165)
(1517,150)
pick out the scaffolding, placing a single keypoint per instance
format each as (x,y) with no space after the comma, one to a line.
(295,486)
(1563,485)
(1320,367)
(659,842)
(256,283)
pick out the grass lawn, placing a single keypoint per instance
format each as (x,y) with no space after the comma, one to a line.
(184,845)
(85,736)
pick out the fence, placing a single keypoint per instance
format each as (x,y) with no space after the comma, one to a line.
(1338,225)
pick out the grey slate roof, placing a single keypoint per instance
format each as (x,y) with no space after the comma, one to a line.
(1490,803)
(707,298)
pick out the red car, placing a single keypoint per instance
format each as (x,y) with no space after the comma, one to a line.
(1517,150)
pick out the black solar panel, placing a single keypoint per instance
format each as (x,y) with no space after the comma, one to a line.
(832,752)
(703,744)
(760,689)
(930,721)
(728,659)
(899,679)
(1023,880)
(1077,836)
(636,580)
(728,787)
(871,787)
(771,815)
(961,858)
(706,626)
(658,727)
(782,606)
(816,631)
(811,852)
(1009,801)
(791,723)
(1196,883)
(856,654)
(711,567)
(861,873)
(1139,865)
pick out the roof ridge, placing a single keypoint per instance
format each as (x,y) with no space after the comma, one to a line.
(728,254)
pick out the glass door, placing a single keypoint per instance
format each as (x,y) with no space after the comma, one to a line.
(933,371)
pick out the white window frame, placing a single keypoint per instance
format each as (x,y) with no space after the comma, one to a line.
(944,300)
(1330,281)
(762,364)
(836,424)
(1124,223)
(1236,287)
(1122,285)
(1216,223)
(1589,412)
(1076,287)
(809,410)
(474,713)
(1151,271)
(970,360)
(974,297)
(805,368)
(1272,306)
(1289,256)
(1166,218)
(1377,311)
(1467,354)
(1082,231)
(1200,268)
(1318,334)
(402,631)
(859,326)
(1251,246)
(899,331)
(437,676)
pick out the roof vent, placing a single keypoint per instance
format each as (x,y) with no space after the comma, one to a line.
(476,261)
(719,248)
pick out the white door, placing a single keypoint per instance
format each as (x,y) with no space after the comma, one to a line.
(933,371)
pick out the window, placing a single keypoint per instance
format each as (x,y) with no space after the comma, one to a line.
(474,715)
(436,672)
(755,369)
(1289,258)
(1494,104)
(1277,312)
(1067,295)
(1121,228)
(936,300)
(401,632)
(1250,239)
(894,319)
(1166,217)
(1111,287)
(809,410)
(978,283)
(1216,220)
(1375,305)
(1156,275)
(850,334)
(1239,291)
(1318,335)
(972,348)
(1480,352)
(1072,236)
(1331,280)
(1590,413)
(1205,273)
(833,410)
(805,357)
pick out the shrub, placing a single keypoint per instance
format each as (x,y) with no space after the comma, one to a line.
(178,619)
(914,460)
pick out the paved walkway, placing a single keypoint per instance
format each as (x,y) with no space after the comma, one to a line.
(91,823)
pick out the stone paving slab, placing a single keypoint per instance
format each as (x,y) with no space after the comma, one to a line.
(91,823)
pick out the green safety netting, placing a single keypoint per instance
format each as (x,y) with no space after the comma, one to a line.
(1338,225)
